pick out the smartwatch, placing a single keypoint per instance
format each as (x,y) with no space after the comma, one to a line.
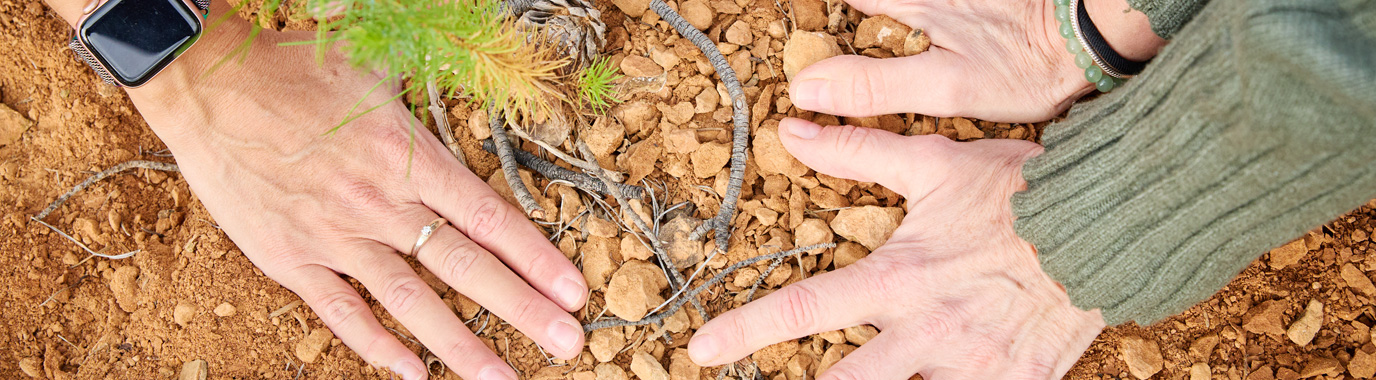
(128,42)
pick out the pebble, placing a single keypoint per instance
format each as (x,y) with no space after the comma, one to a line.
(639,159)
(646,367)
(633,8)
(806,48)
(309,349)
(832,355)
(637,66)
(634,290)
(1287,255)
(966,129)
(916,43)
(31,366)
(603,137)
(698,13)
(682,367)
(859,335)
(1363,365)
(739,33)
(709,159)
(870,226)
(1307,325)
(775,357)
(680,140)
(225,310)
(883,32)
(633,249)
(1200,371)
(678,114)
(1142,356)
(182,314)
(1202,348)
(1320,365)
(770,155)
(610,371)
(706,101)
(596,226)
(1265,318)
(636,115)
(833,336)
(1357,280)
(194,370)
(684,252)
(12,125)
(810,14)
(606,343)
(598,265)
(666,58)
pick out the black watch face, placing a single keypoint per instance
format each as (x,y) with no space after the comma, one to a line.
(136,38)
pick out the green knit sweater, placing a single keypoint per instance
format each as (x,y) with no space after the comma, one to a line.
(1255,124)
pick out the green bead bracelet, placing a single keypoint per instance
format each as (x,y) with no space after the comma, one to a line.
(1093,74)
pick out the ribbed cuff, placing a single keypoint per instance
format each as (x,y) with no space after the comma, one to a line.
(1168,16)
(1243,134)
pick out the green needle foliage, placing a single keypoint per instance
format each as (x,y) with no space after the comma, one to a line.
(594,84)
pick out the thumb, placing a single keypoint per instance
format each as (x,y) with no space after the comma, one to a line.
(859,86)
(908,165)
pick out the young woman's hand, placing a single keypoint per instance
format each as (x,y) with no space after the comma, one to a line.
(955,293)
(307,206)
(997,60)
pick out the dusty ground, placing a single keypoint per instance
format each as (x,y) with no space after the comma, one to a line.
(191,295)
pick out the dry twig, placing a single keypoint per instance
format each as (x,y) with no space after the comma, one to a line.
(513,175)
(442,122)
(131,164)
(558,173)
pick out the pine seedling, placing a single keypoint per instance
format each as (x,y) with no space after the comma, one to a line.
(595,87)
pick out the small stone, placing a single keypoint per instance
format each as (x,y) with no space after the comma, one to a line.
(1363,365)
(1265,318)
(813,231)
(810,14)
(706,101)
(1359,235)
(603,137)
(1263,373)
(1357,280)
(666,58)
(739,34)
(1287,255)
(225,310)
(698,13)
(833,336)
(194,370)
(966,129)
(768,217)
(1200,371)
(633,249)
(1320,365)
(596,226)
(806,48)
(637,66)
(682,367)
(478,124)
(684,252)
(639,159)
(646,367)
(597,261)
(31,366)
(916,43)
(1307,325)
(832,355)
(313,345)
(881,31)
(610,371)
(709,159)
(848,253)
(859,335)
(606,343)
(634,290)
(870,226)
(636,115)
(769,153)
(678,114)
(183,313)
(12,125)
(1142,356)
(1203,348)
(633,8)
(774,357)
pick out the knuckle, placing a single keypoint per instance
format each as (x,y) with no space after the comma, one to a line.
(844,371)
(362,195)
(867,95)
(403,293)
(487,216)
(852,140)
(798,308)
(338,308)
(393,145)
(524,310)
(458,259)
(457,349)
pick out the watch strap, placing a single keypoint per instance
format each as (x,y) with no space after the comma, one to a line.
(105,75)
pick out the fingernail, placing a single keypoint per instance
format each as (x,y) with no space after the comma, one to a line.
(564,335)
(812,94)
(570,292)
(409,370)
(494,373)
(805,130)
(703,348)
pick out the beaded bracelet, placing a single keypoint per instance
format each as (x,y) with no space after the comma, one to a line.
(1103,67)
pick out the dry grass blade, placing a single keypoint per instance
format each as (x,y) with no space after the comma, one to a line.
(132,164)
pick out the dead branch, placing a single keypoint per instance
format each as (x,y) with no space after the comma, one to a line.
(131,164)
(513,176)
(558,173)
(442,122)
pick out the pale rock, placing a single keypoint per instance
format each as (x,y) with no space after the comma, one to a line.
(1142,356)
(123,283)
(639,159)
(596,226)
(1357,280)
(883,32)
(633,249)
(646,367)
(833,336)
(1303,330)
(478,124)
(706,101)
(1363,365)
(698,13)
(678,114)
(813,231)
(603,137)
(680,141)
(675,233)
(606,343)
(709,159)
(31,366)
(194,370)
(916,43)
(666,58)
(966,129)
(597,262)
(225,310)
(1203,348)
(12,125)
(739,33)
(809,14)
(610,371)
(1265,318)
(768,217)
(637,66)
(182,314)
(770,155)
(832,355)
(1263,373)
(773,358)
(636,115)
(313,345)
(777,30)
(683,367)
(859,335)
(1200,371)
(1287,255)
(1321,365)
(634,290)
(633,8)
(806,48)
(870,226)
(848,253)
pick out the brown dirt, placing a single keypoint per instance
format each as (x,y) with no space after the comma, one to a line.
(120,318)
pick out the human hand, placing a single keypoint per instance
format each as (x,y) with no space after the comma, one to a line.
(955,293)
(995,60)
(306,206)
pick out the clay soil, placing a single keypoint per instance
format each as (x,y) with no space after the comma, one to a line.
(190,294)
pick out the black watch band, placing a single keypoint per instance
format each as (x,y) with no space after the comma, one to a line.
(85,54)
(1109,60)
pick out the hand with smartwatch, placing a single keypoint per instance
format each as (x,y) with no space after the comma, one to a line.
(307,207)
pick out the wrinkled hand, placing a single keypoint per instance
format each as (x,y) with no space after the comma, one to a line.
(306,206)
(997,60)
(955,293)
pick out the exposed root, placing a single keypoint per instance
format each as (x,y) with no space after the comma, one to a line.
(659,317)
(740,116)
(554,172)
(131,164)
(513,176)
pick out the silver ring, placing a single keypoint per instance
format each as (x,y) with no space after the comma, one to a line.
(425,232)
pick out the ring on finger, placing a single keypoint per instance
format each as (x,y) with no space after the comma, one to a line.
(425,233)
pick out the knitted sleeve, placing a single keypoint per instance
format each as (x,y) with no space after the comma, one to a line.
(1167,16)
(1257,123)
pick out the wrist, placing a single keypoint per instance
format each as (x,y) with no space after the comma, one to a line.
(1127,30)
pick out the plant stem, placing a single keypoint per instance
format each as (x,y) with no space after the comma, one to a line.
(513,175)
(558,173)
(740,116)
(131,164)
(442,122)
